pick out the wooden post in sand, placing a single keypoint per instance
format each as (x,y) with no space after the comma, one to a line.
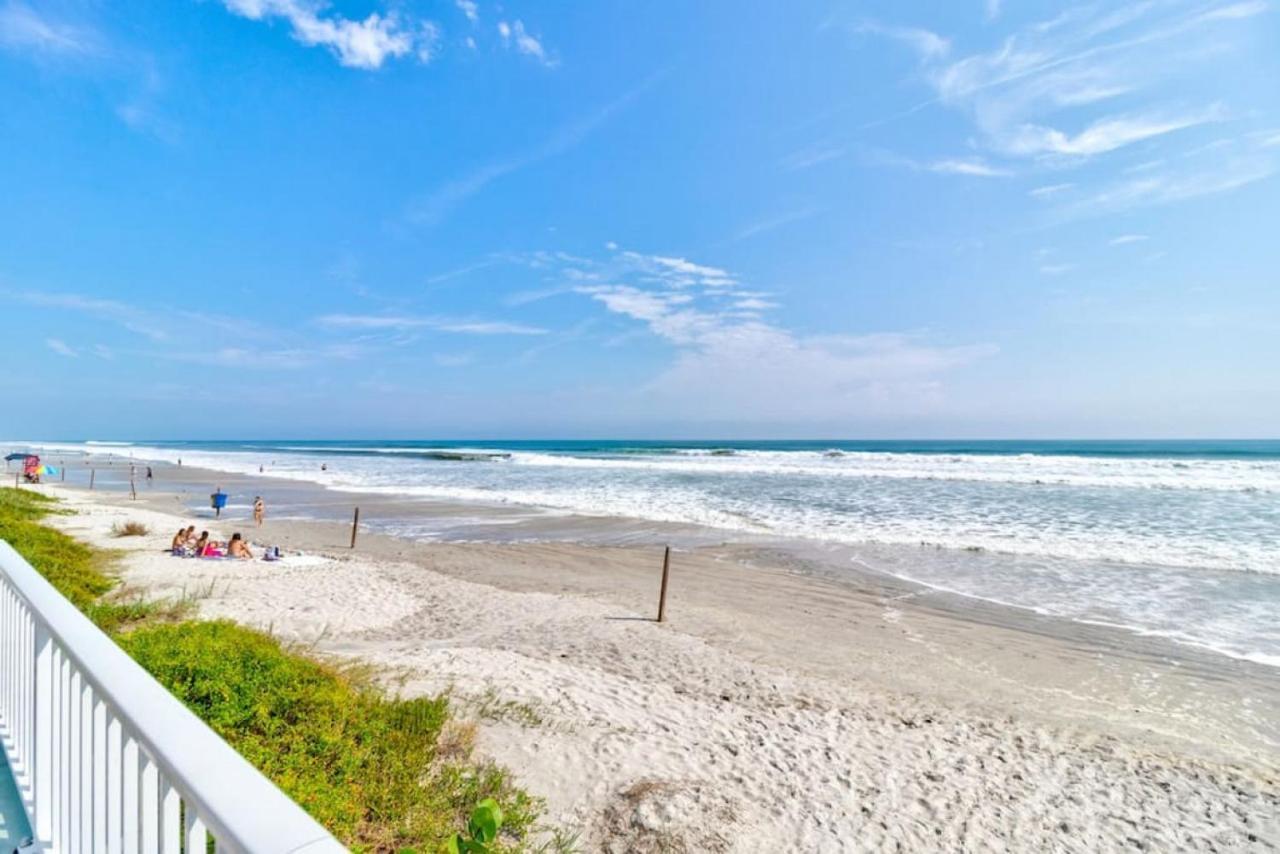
(15,481)
(133,490)
(355,526)
(662,595)
(92,472)
(64,472)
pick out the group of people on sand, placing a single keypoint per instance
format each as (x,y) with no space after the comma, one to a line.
(187,544)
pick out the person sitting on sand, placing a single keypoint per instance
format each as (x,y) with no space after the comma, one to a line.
(238,548)
(201,543)
(189,538)
(179,540)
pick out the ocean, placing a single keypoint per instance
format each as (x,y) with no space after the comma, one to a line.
(1179,539)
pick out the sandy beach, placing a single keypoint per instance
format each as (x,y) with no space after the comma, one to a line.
(774,710)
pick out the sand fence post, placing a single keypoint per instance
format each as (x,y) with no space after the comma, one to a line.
(92,472)
(355,526)
(133,490)
(662,595)
(15,481)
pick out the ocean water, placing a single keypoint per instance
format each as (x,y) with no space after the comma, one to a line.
(1179,539)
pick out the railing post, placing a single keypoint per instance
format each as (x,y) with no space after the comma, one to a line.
(43,722)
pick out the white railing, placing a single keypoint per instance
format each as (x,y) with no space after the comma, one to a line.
(106,760)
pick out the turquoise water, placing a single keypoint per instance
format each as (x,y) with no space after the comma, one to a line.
(1175,538)
(14,827)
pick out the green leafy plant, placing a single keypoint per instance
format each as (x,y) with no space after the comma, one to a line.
(482,830)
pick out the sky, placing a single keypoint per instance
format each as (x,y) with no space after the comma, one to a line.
(456,219)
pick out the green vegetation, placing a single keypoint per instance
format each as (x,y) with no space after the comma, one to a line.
(383,774)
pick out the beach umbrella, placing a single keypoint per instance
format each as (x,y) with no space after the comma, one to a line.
(12,457)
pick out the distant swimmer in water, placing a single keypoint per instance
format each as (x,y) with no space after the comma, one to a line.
(324,467)
(259,468)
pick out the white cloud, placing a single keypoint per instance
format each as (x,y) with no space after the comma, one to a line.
(366,43)
(1056,269)
(469,8)
(1235,11)
(515,35)
(1123,239)
(971,166)
(812,156)
(1021,93)
(285,359)
(453,360)
(730,362)
(1104,135)
(993,9)
(130,317)
(23,29)
(773,222)
(1049,190)
(439,324)
(1176,186)
(929,45)
(60,347)
(432,208)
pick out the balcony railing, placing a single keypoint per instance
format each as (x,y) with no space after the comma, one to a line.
(106,760)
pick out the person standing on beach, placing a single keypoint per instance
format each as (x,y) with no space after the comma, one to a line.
(259,510)
(148,475)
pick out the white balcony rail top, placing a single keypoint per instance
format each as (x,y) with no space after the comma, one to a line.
(100,750)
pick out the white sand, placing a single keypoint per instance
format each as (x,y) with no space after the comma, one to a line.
(773,713)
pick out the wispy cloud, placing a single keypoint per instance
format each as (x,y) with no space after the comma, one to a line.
(60,347)
(1124,239)
(285,359)
(813,155)
(927,44)
(1049,190)
(128,316)
(514,34)
(469,8)
(1106,134)
(970,166)
(727,352)
(776,221)
(1056,269)
(453,360)
(1019,95)
(1168,186)
(365,44)
(433,208)
(438,324)
(22,29)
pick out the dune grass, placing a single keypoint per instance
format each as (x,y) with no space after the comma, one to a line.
(381,773)
(129,529)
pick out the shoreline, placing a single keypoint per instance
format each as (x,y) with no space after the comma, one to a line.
(497,521)
(585,698)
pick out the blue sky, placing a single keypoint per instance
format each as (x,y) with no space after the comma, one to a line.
(284,218)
